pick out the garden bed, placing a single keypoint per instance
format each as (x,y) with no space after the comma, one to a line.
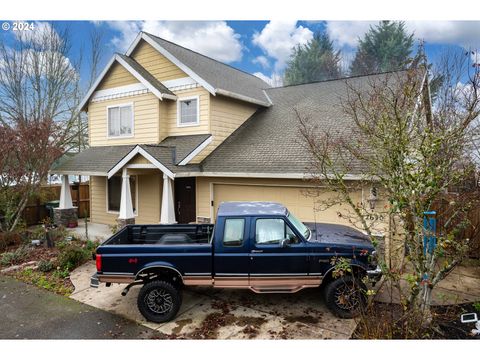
(45,267)
(382,322)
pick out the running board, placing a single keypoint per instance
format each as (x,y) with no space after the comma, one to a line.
(278,290)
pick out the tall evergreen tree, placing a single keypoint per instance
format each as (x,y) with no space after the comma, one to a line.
(385,47)
(315,61)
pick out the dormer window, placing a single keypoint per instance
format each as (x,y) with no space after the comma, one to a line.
(120,120)
(188,113)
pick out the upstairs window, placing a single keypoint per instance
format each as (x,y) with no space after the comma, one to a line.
(188,112)
(120,120)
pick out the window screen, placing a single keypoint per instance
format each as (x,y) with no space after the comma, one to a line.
(188,112)
(120,121)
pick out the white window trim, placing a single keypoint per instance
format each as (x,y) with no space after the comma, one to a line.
(198,111)
(133,121)
(136,197)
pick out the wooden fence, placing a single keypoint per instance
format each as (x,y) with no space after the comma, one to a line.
(36,211)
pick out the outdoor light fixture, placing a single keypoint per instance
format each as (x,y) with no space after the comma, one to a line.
(372,198)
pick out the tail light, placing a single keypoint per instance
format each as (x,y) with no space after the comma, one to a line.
(98,261)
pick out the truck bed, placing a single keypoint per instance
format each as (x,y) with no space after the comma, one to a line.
(178,234)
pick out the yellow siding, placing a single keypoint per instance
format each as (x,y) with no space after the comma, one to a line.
(170,109)
(149,195)
(145,127)
(139,159)
(149,198)
(226,115)
(155,63)
(98,205)
(116,76)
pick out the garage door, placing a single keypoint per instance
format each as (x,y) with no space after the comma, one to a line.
(294,198)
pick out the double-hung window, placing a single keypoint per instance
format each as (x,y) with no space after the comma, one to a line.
(188,111)
(120,120)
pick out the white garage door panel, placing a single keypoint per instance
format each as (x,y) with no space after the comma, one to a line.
(294,198)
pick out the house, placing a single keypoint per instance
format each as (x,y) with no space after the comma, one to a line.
(173,133)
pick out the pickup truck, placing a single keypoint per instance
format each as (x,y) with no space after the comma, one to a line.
(259,246)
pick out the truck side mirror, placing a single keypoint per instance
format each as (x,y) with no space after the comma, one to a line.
(284,242)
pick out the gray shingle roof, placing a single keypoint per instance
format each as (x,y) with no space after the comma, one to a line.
(100,159)
(217,74)
(270,141)
(146,75)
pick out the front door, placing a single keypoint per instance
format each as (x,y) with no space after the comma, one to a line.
(185,200)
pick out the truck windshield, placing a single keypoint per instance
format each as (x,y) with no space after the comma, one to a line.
(305,231)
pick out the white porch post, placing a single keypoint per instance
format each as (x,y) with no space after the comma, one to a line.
(168,211)
(126,207)
(65,194)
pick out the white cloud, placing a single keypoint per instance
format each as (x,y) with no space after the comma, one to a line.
(274,80)
(462,33)
(346,33)
(262,61)
(212,38)
(278,38)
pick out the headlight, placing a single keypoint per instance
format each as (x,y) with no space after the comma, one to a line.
(373,259)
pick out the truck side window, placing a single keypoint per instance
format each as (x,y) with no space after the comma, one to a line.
(233,232)
(271,231)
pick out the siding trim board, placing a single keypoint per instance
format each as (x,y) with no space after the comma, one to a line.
(138,150)
(196,151)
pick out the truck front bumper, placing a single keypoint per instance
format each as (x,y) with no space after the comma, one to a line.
(374,275)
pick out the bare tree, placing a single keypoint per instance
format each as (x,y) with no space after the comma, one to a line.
(412,151)
(39,92)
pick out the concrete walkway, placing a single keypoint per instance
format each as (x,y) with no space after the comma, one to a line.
(27,312)
(224,314)
(96,231)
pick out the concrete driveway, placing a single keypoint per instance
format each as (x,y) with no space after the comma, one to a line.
(224,314)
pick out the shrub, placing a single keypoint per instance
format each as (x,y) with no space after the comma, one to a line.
(9,238)
(45,266)
(72,256)
(15,257)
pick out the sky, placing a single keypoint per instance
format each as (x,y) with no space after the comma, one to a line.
(262,48)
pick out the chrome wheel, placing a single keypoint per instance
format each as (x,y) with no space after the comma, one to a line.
(159,301)
(347,297)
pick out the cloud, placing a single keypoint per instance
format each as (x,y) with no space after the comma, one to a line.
(212,38)
(462,33)
(346,33)
(274,80)
(262,61)
(278,38)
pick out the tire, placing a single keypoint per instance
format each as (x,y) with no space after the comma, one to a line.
(345,297)
(159,301)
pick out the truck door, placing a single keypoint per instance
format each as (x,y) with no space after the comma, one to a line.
(278,256)
(231,255)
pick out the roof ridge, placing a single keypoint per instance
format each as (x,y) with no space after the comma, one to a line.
(337,79)
(207,57)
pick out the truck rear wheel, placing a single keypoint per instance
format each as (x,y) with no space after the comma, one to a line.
(346,296)
(159,301)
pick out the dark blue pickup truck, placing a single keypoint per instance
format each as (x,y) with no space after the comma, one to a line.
(259,246)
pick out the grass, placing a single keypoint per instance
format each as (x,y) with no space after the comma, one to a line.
(54,281)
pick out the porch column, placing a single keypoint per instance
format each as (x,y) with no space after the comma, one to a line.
(65,214)
(65,194)
(126,215)
(167,215)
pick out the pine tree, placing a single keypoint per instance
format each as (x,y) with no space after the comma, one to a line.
(385,47)
(315,61)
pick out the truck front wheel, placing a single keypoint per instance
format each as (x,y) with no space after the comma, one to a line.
(345,296)
(159,301)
